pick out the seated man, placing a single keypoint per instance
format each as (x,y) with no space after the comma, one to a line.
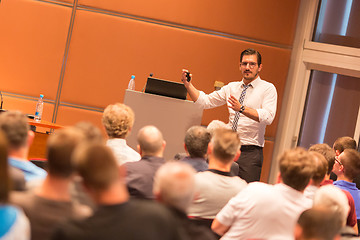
(263,211)
(347,167)
(13,222)
(116,217)
(339,146)
(174,186)
(140,175)
(321,166)
(51,202)
(118,120)
(215,187)
(17,131)
(196,143)
(329,155)
(332,198)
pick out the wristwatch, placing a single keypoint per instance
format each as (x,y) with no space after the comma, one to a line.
(242,108)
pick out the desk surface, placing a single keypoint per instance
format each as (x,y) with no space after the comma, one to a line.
(44,124)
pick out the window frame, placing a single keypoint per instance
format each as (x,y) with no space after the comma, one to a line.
(308,55)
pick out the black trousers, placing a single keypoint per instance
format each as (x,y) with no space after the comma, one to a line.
(250,163)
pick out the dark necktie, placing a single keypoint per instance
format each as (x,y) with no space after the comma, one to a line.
(237,114)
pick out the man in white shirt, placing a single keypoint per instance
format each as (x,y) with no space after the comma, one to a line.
(263,211)
(118,120)
(252,105)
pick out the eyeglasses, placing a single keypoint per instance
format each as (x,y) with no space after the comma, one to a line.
(337,160)
(251,64)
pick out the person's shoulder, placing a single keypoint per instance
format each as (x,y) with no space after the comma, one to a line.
(23,199)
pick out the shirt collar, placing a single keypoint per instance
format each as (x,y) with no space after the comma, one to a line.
(253,83)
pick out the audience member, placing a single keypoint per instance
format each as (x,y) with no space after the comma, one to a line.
(17,131)
(346,167)
(13,222)
(339,146)
(116,217)
(174,187)
(335,200)
(263,211)
(92,135)
(91,132)
(318,224)
(51,203)
(321,166)
(329,155)
(215,187)
(214,125)
(140,175)
(343,143)
(118,120)
(196,143)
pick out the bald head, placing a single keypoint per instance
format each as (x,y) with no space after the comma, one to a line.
(150,141)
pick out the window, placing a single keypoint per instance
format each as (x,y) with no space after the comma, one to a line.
(338,23)
(331,110)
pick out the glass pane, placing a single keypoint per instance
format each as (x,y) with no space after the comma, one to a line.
(338,23)
(331,108)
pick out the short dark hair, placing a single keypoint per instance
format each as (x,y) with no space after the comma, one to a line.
(325,150)
(320,223)
(321,167)
(251,51)
(351,161)
(60,147)
(196,141)
(97,166)
(343,143)
(15,127)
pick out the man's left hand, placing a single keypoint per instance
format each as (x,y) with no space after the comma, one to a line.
(234,103)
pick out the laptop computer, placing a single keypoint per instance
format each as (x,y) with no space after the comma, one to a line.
(165,88)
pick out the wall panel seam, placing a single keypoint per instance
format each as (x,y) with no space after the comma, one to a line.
(63,66)
(64,4)
(83,107)
(185,27)
(24,97)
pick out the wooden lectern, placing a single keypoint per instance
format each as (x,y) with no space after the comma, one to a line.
(172,116)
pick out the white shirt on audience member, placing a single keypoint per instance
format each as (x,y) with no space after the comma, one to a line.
(263,211)
(123,153)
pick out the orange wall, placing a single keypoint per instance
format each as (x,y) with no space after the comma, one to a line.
(81,57)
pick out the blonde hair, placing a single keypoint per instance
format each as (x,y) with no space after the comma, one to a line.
(118,119)
(296,168)
(225,144)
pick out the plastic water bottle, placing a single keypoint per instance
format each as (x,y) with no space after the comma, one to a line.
(131,85)
(39,108)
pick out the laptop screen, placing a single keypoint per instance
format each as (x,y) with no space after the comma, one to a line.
(165,88)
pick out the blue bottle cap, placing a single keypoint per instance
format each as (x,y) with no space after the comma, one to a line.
(133,76)
(41,95)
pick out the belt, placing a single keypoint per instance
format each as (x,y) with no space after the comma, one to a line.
(248,147)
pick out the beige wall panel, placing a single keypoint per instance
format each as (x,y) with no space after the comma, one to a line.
(32,43)
(69,116)
(268,151)
(27,106)
(106,50)
(272,21)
